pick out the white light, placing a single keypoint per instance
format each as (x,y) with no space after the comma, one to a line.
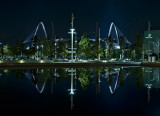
(21,61)
(72,93)
(27,48)
(112,59)
(117,47)
(84,61)
(41,61)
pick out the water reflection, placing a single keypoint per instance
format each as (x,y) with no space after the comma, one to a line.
(72,72)
(116,77)
(112,77)
(151,79)
(38,78)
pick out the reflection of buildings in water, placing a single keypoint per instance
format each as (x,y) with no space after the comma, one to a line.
(73,77)
(33,78)
(52,86)
(151,79)
(115,74)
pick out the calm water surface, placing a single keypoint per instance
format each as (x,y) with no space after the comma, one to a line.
(81,91)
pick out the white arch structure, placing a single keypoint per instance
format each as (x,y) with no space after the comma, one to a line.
(44,29)
(34,33)
(118,33)
(110,29)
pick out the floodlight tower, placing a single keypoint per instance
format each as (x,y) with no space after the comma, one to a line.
(149,37)
(55,47)
(99,56)
(72,34)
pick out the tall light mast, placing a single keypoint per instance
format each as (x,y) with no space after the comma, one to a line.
(149,37)
(55,47)
(99,56)
(72,34)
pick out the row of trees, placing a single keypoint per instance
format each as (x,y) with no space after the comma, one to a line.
(87,49)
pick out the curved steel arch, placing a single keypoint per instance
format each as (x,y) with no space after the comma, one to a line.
(44,29)
(110,29)
(28,39)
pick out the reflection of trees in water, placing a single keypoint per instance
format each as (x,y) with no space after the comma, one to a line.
(121,77)
(40,77)
(3,79)
(98,72)
(109,73)
(138,74)
(62,73)
(19,73)
(84,77)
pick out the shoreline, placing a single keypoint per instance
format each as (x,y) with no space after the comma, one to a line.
(49,64)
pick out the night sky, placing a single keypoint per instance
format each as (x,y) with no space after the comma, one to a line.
(18,18)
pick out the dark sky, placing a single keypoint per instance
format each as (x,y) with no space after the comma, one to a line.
(18,18)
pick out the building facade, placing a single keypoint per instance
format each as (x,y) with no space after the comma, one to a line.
(151,45)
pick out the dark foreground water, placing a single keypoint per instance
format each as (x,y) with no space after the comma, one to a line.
(83,91)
